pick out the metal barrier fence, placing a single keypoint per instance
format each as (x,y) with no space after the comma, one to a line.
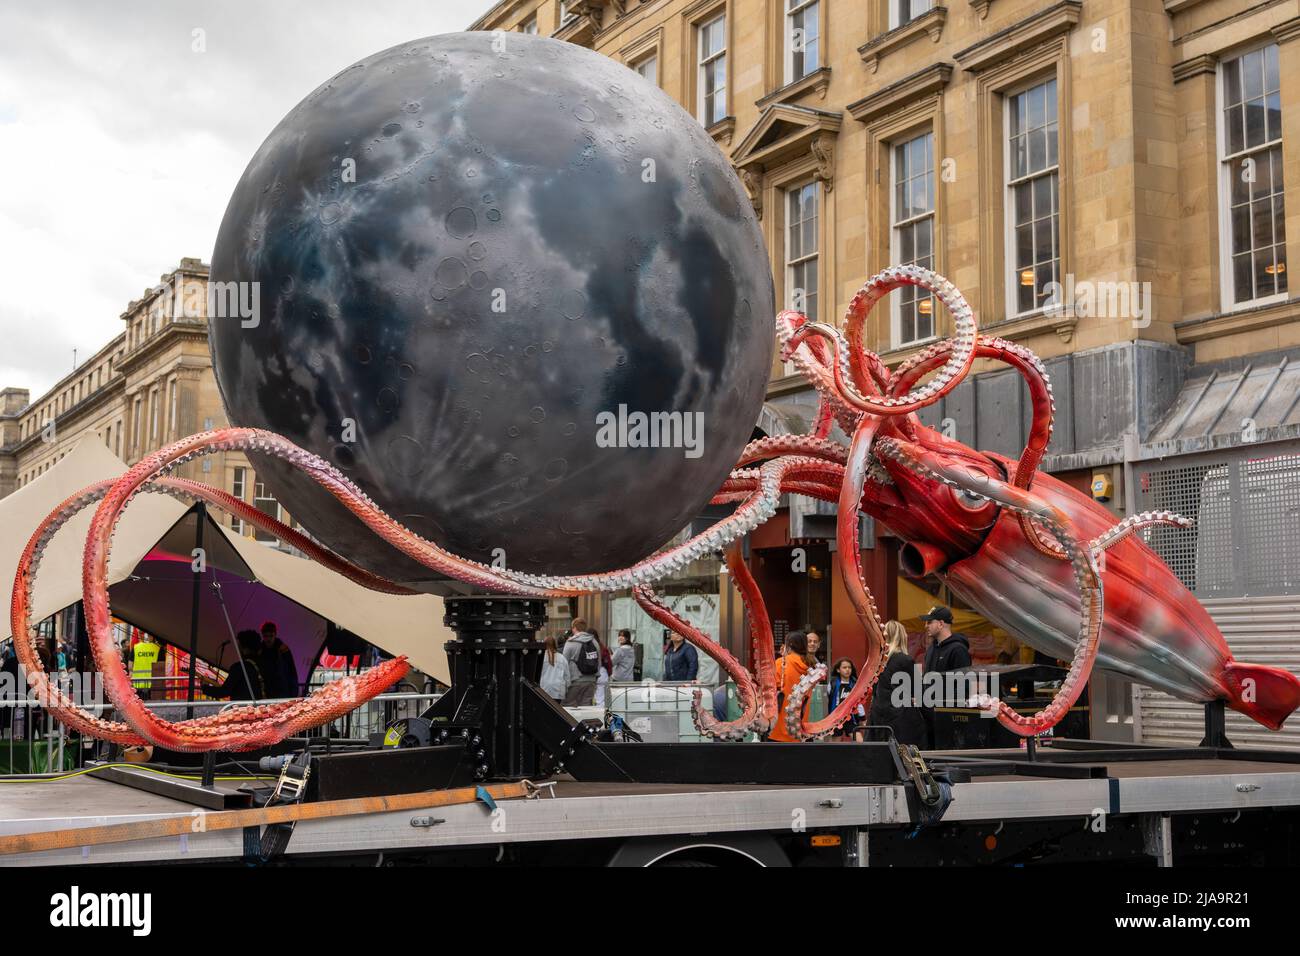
(660,711)
(32,741)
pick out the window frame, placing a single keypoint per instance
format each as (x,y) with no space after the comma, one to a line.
(906,138)
(278,514)
(703,62)
(137,414)
(638,65)
(789,265)
(787,41)
(238,489)
(1010,271)
(173,409)
(896,21)
(1223,161)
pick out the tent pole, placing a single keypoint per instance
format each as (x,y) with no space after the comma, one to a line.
(201,514)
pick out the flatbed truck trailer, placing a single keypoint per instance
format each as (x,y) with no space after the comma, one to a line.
(1130,805)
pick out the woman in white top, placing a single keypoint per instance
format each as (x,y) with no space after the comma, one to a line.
(555,672)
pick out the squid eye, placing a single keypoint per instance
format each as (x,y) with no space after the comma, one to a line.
(970,500)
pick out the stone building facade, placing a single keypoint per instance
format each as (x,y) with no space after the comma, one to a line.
(1110,182)
(150,385)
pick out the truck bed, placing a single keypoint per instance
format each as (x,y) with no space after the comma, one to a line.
(583,811)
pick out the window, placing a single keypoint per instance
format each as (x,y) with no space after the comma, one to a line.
(713,70)
(905,11)
(1253,226)
(173,408)
(136,415)
(801,249)
(1032,198)
(117,450)
(565,15)
(802,39)
(238,488)
(912,231)
(529,26)
(153,417)
(264,502)
(648,67)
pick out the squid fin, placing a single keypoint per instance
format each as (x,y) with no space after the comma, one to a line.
(1266,694)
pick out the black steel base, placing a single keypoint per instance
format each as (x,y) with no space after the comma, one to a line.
(507,728)
(381,773)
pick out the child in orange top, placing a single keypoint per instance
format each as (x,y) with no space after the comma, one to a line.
(790,667)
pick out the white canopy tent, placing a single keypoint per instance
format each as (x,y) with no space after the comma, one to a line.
(410,625)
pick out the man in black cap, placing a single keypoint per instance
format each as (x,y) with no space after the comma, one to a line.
(947,652)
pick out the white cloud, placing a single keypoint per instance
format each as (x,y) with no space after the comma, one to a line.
(120,145)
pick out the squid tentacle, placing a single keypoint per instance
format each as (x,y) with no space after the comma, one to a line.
(804,446)
(864,605)
(66,709)
(763,643)
(1043,407)
(1134,523)
(877,287)
(808,357)
(705,722)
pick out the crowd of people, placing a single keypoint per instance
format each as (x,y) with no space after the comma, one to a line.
(911,722)
(577,668)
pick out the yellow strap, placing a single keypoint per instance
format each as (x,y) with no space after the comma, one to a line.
(200,821)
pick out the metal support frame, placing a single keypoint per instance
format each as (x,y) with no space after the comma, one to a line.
(1216,730)
(1158,838)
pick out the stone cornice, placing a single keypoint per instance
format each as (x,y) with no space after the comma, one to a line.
(1030,32)
(1288,30)
(1243,320)
(1062,323)
(1195,66)
(817,80)
(696,9)
(809,125)
(179,328)
(723,130)
(97,399)
(903,93)
(929,23)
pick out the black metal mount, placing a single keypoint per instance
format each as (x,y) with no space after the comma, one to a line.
(1216,726)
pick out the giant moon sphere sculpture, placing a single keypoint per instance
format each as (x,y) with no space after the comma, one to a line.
(443,267)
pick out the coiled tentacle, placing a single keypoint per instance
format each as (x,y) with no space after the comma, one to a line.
(240,720)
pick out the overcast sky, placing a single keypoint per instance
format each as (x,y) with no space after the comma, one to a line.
(120,144)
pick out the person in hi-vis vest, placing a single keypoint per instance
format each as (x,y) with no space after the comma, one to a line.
(145,655)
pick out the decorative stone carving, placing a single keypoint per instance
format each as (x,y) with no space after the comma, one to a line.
(823,150)
(751,178)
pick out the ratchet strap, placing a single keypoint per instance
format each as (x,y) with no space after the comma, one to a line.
(201,821)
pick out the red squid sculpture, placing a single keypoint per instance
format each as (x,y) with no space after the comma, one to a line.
(1033,555)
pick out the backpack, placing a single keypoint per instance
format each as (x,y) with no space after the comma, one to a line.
(588,661)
